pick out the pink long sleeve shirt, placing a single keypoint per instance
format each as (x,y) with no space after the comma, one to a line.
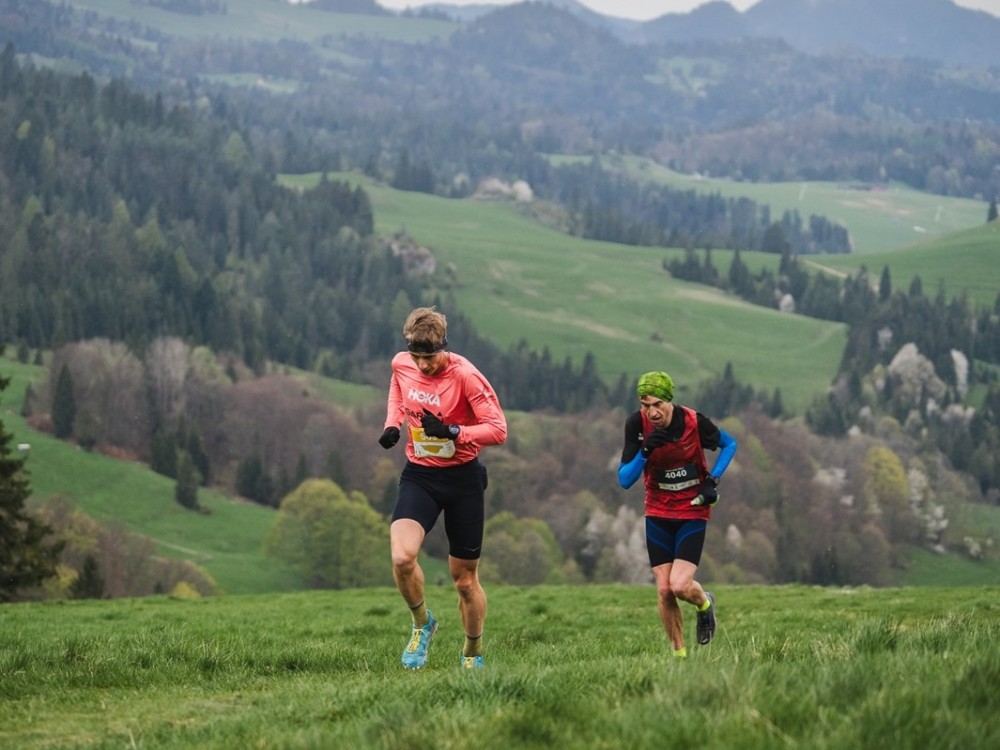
(459,394)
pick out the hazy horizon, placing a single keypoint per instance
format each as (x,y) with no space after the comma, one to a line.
(645,10)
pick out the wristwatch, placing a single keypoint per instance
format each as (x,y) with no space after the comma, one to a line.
(454,429)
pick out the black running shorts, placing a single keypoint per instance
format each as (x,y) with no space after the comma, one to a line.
(457,491)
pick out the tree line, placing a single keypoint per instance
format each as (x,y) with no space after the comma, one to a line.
(615,208)
(129,220)
(797,507)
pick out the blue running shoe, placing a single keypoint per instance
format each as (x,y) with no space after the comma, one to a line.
(472,662)
(415,653)
(706,622)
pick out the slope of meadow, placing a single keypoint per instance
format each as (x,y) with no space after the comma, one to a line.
(516,279)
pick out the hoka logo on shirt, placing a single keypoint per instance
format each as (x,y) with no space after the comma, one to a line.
(421,397)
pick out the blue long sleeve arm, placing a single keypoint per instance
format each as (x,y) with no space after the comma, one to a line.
(628,473)
(727,449)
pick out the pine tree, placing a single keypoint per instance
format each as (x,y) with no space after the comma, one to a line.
(64,405)
(199,457)
(188,480)
(25,559)
(885,285)
(88,584)
(163,459)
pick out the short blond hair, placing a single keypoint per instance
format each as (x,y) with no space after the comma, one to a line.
(425,325)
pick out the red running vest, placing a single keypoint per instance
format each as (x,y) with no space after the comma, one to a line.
(674,472)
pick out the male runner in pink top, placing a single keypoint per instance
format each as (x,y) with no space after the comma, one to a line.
(450,411)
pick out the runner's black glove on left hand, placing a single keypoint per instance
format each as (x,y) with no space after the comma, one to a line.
(389,437)
(434,427)
(709,494)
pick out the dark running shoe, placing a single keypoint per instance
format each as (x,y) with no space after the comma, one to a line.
(706,622)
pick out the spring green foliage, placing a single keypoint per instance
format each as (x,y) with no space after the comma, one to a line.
(522,550)
(334,539)
(568,667)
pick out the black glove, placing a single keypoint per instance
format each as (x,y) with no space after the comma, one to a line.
(654,440)
(389,437)
(709,494)
(434,427)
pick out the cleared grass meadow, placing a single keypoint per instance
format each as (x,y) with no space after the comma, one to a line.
(567,667)
(967,261)
(516,279)
(878,217)
(945,241)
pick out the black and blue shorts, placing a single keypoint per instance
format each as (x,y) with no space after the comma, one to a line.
(670,539)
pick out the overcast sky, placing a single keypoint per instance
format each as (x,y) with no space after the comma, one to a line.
(644,10)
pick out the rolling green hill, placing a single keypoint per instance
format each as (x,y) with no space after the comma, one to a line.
(878,218)
(516,279)
(964,261)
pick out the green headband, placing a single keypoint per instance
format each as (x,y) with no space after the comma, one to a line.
(656,384)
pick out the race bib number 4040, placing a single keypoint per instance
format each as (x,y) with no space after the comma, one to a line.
(677,478)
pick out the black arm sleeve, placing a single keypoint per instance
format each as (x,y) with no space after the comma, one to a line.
(708,432)
(633,436)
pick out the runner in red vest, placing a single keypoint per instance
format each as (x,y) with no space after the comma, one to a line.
(665,444)
(450,412)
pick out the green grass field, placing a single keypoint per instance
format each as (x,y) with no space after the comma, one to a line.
(927,568)
(567,667)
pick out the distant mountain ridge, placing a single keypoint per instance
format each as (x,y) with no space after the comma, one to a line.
(936,30)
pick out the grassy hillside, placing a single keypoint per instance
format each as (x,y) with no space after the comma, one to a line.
(567,667)
(967,261)
(226,543)
(878,219)
(516,279)
(927,568)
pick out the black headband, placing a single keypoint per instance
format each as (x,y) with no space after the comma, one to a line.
(426,347)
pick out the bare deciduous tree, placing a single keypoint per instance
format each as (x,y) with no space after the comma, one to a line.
(167,367)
